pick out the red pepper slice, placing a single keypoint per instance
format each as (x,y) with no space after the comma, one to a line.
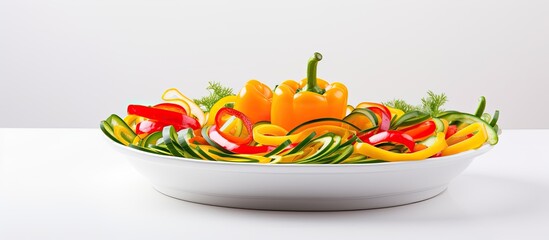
(149,126)
(394,137)
(384,116)
(245,121)
(421,131)
(452,129)
(234,147)
(166,117)
(171,107)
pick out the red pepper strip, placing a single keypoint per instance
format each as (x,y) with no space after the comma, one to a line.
(245,121)
(452,129)
(421,131)
(378,105)
(385,118)
(164,116)
(171,107)
(149,126)
(234,147)
(394,137)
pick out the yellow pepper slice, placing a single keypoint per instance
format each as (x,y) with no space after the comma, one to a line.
(378,153)
(474,142)
(123,134)
(218,105)
(175,96)
(395,112)
(132,120)
(274,135)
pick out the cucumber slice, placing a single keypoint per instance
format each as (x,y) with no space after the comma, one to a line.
(410,118)
(302,144)
(495,119)
(170,138)
(439,125)
(486,117)
(204,154)
(468,119)
(279,149)
(149,150)
(152,140)
(358,116)
(107,130)
(328,143)
(342,153)
(121,130)
(481,106)
(183,137)
(232,157)
(350,141)
(160,148)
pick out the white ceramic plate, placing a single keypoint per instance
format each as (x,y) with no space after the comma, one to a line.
(313,187)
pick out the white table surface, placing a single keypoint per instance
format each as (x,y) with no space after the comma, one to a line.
(70,184)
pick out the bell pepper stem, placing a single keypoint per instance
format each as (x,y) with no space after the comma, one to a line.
(312,85)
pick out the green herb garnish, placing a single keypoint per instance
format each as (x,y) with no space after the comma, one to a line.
(432,104)
(217,92)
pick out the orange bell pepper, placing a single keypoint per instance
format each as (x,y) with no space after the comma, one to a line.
(254,100)
(295,103)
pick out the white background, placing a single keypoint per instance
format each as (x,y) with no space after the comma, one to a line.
(72,63)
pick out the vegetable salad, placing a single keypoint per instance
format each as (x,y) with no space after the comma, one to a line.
(300,122)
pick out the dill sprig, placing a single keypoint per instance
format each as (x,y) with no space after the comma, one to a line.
(217,92)
(432,104)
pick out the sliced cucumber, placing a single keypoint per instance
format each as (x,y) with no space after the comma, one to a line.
(342,153)
(410,118)
(481,106)
(350,141)
(183,137)
(203,153)
(439,125)
(232,157)
(468,119)
(495,119)
(357,117)
(279,149)
(150,150)
(302,144)
(328,143)
(170,138)
(107,130)
(121,130)
(153,139)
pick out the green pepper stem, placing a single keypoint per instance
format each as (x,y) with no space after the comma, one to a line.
(312,85)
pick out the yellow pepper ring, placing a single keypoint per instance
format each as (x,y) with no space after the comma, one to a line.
(378,153)
(273,135)
(473,142)
(122,134)
(175,96)
(132,120)
(218,105)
